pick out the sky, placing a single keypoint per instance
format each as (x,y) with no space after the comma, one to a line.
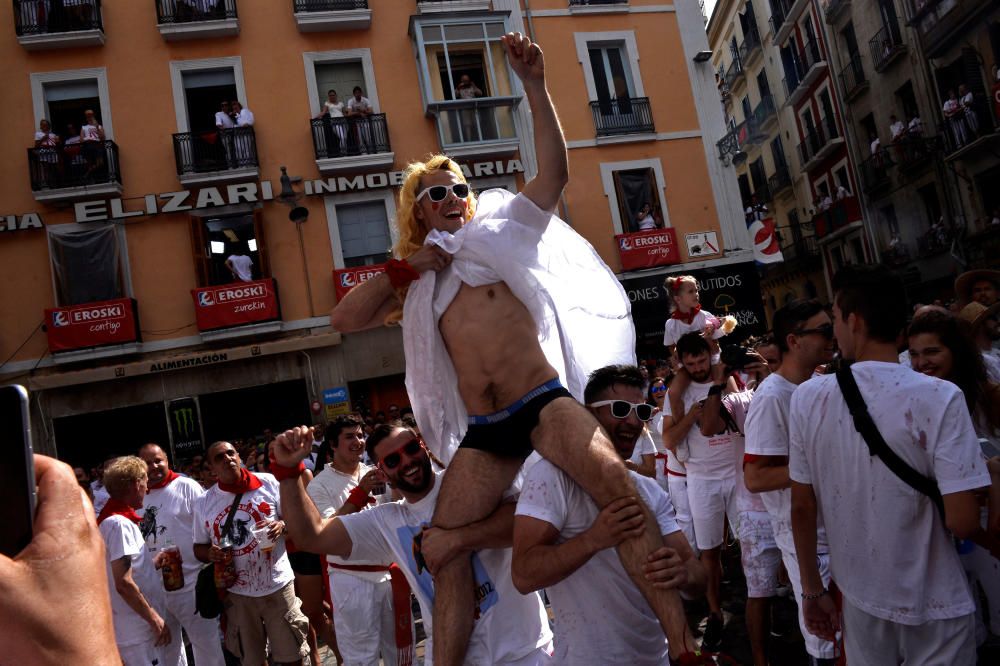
(709,6)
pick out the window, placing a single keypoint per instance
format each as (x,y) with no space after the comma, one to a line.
(840,176)
(858,250)
(364,233)
(850,40)
(745,191)
(218,239)
(747,111)
(637,199)
(932,205)
(763,85)
(63,97)
(759,179)
(908,101)
(88,263)
(612,79)
(778,155)
(870,133)
(204,92)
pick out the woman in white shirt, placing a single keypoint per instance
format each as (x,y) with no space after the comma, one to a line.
(334,130)
(644,218)
(953,114)
(46,150)
(92,138)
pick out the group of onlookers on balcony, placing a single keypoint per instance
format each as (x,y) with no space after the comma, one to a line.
(76,156)
(239,151)
(46,16)
(961,116)
(903,137)
(346,127)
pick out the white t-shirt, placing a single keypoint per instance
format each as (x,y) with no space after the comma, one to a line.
(362,104)
(644,446)
(224,120)
(647,223)
(710,457)
(122,538)
(329,490)
(738,404)
(244,118)
(890,553)
(334,109)
(674,328)
(91,132)
(242,265)
(767,435)
(511,625)
(600,615)
(896,129)
(101,496)
(258,574)
(168,517)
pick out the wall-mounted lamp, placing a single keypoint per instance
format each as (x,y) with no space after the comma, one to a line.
(702,56)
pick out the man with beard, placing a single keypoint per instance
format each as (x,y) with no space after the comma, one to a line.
(711,470)
(168,519)
(360,591)
(564,543)
(804,334)
(511,629)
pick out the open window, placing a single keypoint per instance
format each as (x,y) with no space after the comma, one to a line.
(638,202)
(236,239)
(205,91)
(88,263)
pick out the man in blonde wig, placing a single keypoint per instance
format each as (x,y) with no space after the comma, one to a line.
(505,311)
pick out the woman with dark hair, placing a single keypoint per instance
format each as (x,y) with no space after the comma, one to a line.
(941,346)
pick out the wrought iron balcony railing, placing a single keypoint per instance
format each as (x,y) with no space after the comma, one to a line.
(37,17)
(852,76)
(885,45)
(74,165)
(216,150)
(348,137)
(622,115)
(299,6)
(193,11)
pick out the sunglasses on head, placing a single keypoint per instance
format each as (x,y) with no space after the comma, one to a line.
(620,409)
(826,330)
(392,460)
(437,193)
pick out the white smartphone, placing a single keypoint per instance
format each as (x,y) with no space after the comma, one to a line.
(17,474)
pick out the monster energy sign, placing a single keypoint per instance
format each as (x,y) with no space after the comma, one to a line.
(185,426)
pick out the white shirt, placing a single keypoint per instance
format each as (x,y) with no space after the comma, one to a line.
(168,517)
(244,118)
(644,446)
(122,538)
(334,109)
(896,129)
(511,625)
(101,495)
(258,574)
(601,617)
(916,125)
(710,457)
(242,266)
(363,104)
(890,553)
(674,328)
(91,132)
(737,404)
(647,223)
(875,146)
(329,490)
(48,139)
(223,120)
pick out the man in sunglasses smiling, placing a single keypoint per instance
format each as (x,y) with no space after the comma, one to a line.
(505,312)
(512,628)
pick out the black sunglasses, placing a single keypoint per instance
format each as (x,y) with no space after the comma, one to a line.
(620,409)
(826,330)
(437,193)
(392,460)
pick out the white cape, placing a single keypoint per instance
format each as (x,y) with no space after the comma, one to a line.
(582,313)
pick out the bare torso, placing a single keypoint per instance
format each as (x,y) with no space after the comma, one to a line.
(493,343)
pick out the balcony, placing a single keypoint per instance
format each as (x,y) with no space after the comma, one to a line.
(480,127)
(913,154)
(943,23)
(969,134)
(734,74)
(852,78)
(179,20)
(39,25)
(731,145)
(237,309)
(79,170)
(802,254)
(74,331)
(351,144)
(436,6)
(216,156)
(834,9)
(763,119)
(875,172)
(887,47)
(820,142)
(780,27)
(330,15)
(622,116)
(838,216)
(779,181)
(750,48)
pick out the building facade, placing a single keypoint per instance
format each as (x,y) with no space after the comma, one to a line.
(170,269)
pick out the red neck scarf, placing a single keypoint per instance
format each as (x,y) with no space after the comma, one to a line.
(686,317)
(167,478)
(118,508)
(247,481)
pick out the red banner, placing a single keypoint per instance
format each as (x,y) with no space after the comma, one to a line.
(657,247)
(236,304)
(92,325)
(345,279)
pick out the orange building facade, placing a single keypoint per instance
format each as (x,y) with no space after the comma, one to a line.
(164,282)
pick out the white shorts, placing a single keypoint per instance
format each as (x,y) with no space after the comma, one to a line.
(872,641)
(711,501)
(364,620)
(141,654)
(759,553)
(815,646)
(677,489)
(204,634)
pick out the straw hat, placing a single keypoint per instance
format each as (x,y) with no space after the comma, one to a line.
(976,313)
(963,285)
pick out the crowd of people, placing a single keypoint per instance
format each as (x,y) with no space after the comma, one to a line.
(76,155)
(540,457)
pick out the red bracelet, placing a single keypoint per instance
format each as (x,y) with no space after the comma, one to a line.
(400,273)
(359,498)
(281,472)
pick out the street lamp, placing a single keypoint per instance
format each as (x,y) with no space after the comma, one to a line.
(298,216)
(702,56)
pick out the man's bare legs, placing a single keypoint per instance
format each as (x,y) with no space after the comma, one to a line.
(569,437)
(470,491)
(758,619)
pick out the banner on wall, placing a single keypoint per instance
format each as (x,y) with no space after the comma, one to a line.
(95,324)
(236,304)
(646,249)
(345,279)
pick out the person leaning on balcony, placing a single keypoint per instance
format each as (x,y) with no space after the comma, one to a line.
(953,114)
(967,102)
(915,128)
(896,128)
(244,117)
(46,150)
(359,108)
(92,138)
(334,130)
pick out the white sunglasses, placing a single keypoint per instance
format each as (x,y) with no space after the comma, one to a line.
(438,193)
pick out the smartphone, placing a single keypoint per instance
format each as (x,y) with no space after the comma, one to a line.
(17,474)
